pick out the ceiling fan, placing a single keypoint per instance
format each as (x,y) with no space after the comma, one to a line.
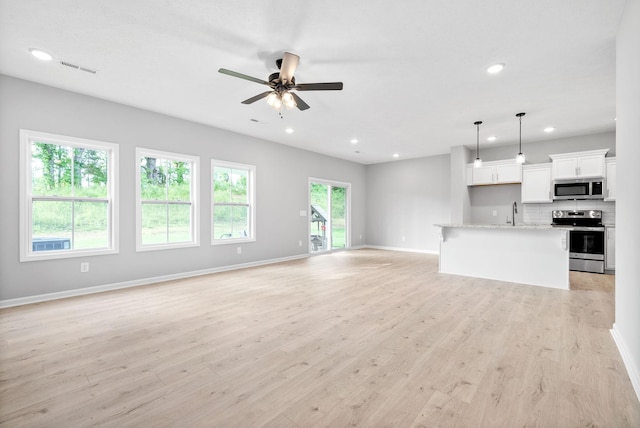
(283,83)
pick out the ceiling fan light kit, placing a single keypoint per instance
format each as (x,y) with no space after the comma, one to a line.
(283,83)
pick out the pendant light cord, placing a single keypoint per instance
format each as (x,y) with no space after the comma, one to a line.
(520,158)
(477,124)
(519,116)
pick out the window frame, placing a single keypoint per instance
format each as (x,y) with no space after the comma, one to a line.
(194,199)
(27,137)
(251,193)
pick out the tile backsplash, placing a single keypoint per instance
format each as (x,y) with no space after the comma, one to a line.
(541,213)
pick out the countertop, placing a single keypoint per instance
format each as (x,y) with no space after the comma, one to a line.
(500,226)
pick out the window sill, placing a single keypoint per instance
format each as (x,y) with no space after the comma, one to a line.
(166,246)
(54,255)
(232,241)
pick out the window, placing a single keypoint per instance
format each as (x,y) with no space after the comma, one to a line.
(167,189)
(68,191)
(233,202)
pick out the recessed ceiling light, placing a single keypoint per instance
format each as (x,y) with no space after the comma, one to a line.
(40,54)
(354,141)
(549,129)
(495,68)
(289,130)
(492,138)
(395,155)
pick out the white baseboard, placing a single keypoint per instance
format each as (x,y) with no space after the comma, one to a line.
(408,250)
(8,303)
(632,370)
(137,282)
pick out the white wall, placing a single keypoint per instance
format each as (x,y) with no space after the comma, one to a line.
(627,323)
(405,199)
(282,180)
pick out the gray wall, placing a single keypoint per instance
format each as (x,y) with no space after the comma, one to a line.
(405,199)
(539,152)
(460,198)
(487,199)
(282,180)
(627,322)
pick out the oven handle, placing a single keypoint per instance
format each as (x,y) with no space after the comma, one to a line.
(586,256)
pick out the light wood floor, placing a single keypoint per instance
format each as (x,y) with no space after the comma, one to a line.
(359,338)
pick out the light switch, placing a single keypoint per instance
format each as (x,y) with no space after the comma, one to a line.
(303,213)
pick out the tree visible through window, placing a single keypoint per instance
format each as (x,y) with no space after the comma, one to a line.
(233,201)
(167,215)
(69,191)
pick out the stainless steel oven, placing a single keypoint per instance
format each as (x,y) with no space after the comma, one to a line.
(586,249)
(586,238)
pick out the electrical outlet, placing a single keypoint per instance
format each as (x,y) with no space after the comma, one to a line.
(403,239)
(494,213)
(299,243)
(239,250)
(84,267)
(360,236)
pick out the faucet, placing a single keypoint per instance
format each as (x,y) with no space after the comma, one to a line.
(514,210)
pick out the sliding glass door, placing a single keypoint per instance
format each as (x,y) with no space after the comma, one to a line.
(329,215)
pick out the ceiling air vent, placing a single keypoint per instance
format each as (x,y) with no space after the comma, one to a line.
(77,67)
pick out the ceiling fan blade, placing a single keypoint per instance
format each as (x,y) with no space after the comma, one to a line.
(331,86)
(256,98)
(299,103)
(243,76)
(288,67)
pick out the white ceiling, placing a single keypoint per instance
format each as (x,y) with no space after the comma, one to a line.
(413,71)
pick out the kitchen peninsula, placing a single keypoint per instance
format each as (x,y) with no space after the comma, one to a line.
(526,254)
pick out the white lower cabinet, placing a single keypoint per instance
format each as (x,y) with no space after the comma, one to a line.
(610,250)
(536,184)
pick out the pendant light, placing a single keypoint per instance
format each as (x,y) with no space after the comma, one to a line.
(478,162)
(520,158)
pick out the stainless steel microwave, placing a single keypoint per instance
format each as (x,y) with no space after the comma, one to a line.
(578,189)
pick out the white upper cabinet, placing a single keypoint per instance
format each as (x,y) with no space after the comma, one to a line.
(536,184)
(483,175)
(509,172)
(579,164)
(494,172)
(610,179)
